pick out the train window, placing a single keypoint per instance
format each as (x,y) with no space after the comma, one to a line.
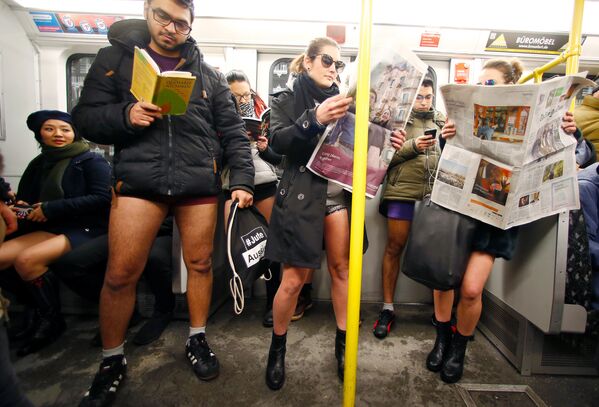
(77,67)
(279,73)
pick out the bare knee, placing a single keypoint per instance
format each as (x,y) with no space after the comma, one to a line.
(471,293)
(199,265)
(339,271)
(291,287)
(118,282)
(394,247)
(25,264)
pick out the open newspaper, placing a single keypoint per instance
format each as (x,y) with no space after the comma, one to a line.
(510,162)
(394,79)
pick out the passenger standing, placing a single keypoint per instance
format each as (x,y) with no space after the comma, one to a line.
(66,190)
(162,164)
(489,243)
(249,104)
(308,210)
(587,117)
(409,178)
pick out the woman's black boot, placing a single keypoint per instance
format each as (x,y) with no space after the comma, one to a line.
(28,325)
(275,370)
(434,360)
(453,366)
(340,352)
(51,324)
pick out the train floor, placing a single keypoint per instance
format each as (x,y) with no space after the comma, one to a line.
(391,372)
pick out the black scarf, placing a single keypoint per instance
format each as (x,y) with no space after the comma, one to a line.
(305,92)
(42,180)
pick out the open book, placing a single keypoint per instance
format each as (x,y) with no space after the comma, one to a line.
(258,125)
(170,89)
(395,77)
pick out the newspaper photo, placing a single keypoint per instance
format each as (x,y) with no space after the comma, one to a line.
(394,81)
(510,162)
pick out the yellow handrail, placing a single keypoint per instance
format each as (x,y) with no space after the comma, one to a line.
(570,55)
(358,207)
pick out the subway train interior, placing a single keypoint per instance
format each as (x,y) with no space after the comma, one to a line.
(534,345)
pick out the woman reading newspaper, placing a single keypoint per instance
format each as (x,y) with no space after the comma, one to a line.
(308,209)
(447,355)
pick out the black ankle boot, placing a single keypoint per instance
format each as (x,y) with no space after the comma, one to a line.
(434,361)
(28,325)
(453,366)
(51,325)
(275,370)
(340,352)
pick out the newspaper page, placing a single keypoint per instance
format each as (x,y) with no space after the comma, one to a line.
(510,162)
(395,78)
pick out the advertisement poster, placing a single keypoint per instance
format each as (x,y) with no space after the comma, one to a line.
(73,23)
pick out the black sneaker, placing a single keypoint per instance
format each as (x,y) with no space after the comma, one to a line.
(103,390)
(202,359)
(382,326)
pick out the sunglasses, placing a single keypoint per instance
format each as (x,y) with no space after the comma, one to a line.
(488,82)
(328,60)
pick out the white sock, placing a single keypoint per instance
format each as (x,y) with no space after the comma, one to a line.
(194,331)
(119,350)
(388,306)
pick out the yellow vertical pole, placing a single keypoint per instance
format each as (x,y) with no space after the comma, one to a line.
(358,206)
(574,42)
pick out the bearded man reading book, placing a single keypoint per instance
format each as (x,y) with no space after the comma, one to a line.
(162,163)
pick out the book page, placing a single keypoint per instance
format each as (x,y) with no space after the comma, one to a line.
(145,76)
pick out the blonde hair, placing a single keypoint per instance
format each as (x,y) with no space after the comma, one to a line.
(314,48)
(510,68)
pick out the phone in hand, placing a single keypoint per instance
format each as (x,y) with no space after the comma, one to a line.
(431,132)
(22,211)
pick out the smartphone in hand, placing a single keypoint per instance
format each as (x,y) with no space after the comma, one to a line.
(432,133)
(22,211)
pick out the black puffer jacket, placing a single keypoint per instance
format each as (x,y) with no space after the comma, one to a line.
(175,156)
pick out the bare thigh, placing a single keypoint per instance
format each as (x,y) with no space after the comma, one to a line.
(134,223)
(336,240)
(196,224)
(32,262)
(11,249)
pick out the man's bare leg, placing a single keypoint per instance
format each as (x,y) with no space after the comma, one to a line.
(196,225)
(134,223)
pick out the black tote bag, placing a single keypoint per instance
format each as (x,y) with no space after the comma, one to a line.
(439,245)
(247,233)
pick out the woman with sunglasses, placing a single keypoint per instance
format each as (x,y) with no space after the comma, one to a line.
(308,210)
(447,355)
(249,104)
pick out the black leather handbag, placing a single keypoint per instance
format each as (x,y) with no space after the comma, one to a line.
(438,247)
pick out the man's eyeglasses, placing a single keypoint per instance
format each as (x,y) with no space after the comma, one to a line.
(164,19)
(328,60)
(421,97)
(488,82)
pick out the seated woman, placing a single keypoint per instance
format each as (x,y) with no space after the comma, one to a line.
(65,194)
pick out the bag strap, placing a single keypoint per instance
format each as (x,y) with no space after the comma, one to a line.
(235,283)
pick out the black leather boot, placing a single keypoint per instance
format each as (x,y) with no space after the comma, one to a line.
(28,325)
(340,352)
(453,366)
(51,325)
(275,370)
(434,361)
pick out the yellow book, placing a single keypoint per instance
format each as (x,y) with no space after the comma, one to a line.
(170,90)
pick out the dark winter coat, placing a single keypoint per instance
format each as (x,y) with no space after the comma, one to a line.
(296,227)
(86,202)
(177,155)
